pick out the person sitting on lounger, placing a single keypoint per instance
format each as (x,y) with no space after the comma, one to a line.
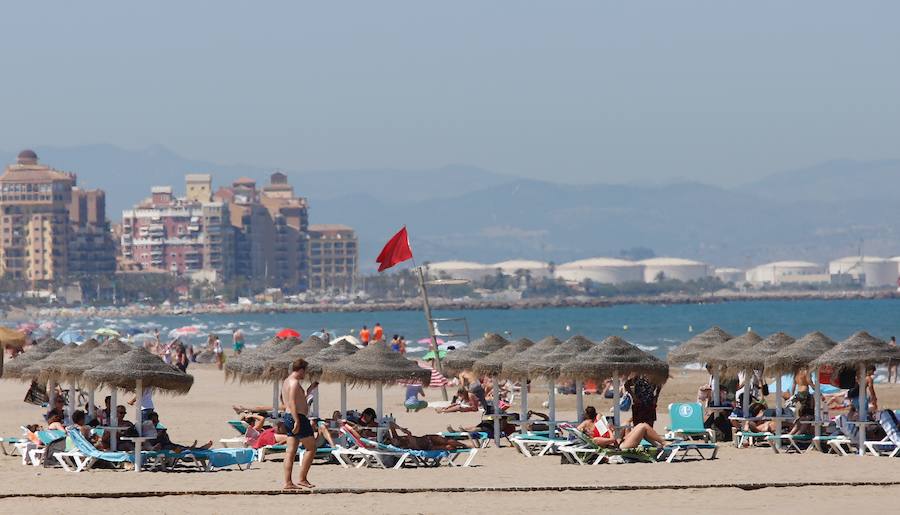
(78,422)
(464,401)
(127,428)
(55,420)
(536,426)
(487,426)
(604,435)
(162,442)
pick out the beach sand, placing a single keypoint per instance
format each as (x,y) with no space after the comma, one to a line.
(663,488)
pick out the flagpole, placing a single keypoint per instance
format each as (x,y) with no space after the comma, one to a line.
(427,308)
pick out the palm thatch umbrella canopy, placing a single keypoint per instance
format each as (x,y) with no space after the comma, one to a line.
(518,366)
(136,366)
(754,358)
(859,349)
(800,353)
(719,355)
(107,351)
(375,365)
(692,350)
(50,368)
(33,355)
(253,367)
(552,362)
(615,357)
(464,359)
(32,371)
(277,367)
(334,353)
(234,365)
(492,364)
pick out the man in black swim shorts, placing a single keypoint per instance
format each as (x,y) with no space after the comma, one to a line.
(296,422)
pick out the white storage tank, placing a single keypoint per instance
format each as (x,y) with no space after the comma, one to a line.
(877,272)
(731,275)
(535,269)
(601,270)
(783,271)
(474,272)
(673,268)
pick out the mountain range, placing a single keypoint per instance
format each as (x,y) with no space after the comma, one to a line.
(464,212)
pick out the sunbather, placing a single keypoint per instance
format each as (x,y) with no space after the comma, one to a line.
(487,426)
(464,401)
(536,426)
(55,420)
(162,442)
(604,435)
(78,423)
(421,443)
(121,445)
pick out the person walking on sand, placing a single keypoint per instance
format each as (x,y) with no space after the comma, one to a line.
(296,423)
(237,338)
(364,336)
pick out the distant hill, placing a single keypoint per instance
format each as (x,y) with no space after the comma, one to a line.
(464,212)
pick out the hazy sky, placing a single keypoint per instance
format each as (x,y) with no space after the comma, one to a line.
(618,91)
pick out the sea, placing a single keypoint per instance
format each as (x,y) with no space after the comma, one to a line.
(655,328)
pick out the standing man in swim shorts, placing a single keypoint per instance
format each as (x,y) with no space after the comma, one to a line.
(296,423)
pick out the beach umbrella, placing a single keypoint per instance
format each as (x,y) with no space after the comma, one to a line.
(430,355)
(276,353)
(34,354)
(375,365)
(549,367)
(461,360)
(491,365)
(428,341)
(49,369)
(798,355)
(350,338)
(9,338)
(717,357)
(139,369)
(72,370)
(317,361)
(253,367)
(858,352)
(613,358)
(517,367)
(287,333)
(108,332)
(691,351)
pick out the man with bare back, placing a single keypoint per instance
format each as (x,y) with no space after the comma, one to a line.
(296,422)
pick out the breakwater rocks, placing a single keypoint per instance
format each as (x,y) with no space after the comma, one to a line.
(443,304)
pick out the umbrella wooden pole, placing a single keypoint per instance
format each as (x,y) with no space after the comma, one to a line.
(523,393)
(717,401)
(863,409)
(617,415)
(315,406)
(778,402)
(91,404)
(818,406)
(748,376)
(552,405)
(113,421)
(343,400)
(138,423)
(379,401)
(51,394)
(579,399)
(275,402)
(496,385)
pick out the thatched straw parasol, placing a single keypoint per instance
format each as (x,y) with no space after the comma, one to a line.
(139,367)
(754,358)
(277,367)
(32,371)
(375,365)
(518,366)
(51,368)
(859,349)
(615,357)
(492,364)
(107,351)
(800,353)
(332,354)
(234,366)
(464,359)
(253,368)
(551,363)
(33,355)
(12,339)
(718,356)
(692,350)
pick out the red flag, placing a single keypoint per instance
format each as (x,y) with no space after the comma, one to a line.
(396,251)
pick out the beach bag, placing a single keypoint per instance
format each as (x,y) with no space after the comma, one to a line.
(36,395)
(625,402)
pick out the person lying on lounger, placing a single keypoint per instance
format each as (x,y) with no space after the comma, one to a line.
(161,441)
(604,435)
(259,435)
(463,401)
(420,443)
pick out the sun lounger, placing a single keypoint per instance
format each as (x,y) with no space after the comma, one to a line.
(791,443)
(480,438)
(12,441)
(687,422)
(750,438)
(84,455)
(51,440)
(679,451)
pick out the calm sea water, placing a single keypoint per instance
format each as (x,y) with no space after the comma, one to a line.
(656,328)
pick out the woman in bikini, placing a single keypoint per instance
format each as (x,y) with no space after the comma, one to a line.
(604,435)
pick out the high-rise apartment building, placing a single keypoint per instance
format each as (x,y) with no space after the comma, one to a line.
(51,230)
(179,235)
(333,257)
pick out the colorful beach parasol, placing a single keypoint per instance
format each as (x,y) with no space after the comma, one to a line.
(287,333)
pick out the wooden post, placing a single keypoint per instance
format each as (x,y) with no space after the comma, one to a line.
(434,344)
(552,402)
(863,409)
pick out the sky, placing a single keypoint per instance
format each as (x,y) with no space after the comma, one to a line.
(596,91)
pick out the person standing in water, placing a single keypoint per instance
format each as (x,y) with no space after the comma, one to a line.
(238,340)
(378,333)
(296,423)
(364,336)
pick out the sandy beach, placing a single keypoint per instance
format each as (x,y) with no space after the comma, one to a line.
(740,480)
